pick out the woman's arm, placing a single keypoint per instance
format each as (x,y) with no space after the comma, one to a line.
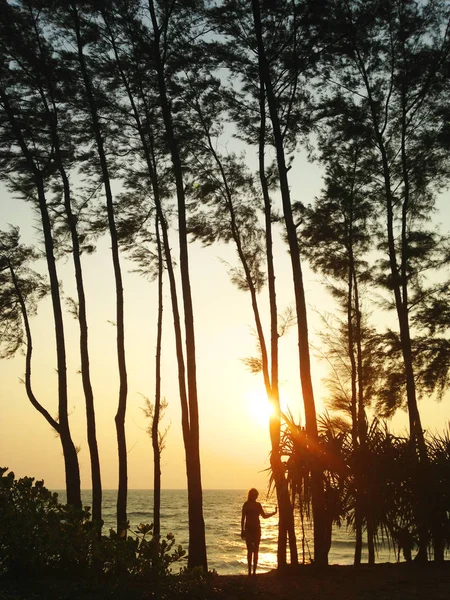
(243,523)
(267,515)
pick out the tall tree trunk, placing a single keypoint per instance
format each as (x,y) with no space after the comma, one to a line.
(147,142)
(400,290)
(270,372)
(399,279)
(52,117)
(361,502)
(416,431)
(82,319)
(123,385)
(354,413)
(197,540)
(354,333)
(318,497)
(156,416)
(72,470)
(286,526)
(84,350)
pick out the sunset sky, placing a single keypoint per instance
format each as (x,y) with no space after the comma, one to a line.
(233,416)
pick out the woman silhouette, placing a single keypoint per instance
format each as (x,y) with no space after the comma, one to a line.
(251,527)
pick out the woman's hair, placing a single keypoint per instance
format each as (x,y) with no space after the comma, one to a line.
(252,494)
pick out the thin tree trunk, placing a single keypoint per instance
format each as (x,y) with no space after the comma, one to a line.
(84,351)
(362,419)
(270,373)
(355,441)
(318,498)
(399,282)
(370,536)
(156,416)
(72,470)
(400,290)
(351,353)
(52,116)
(197,540)
(351,309)
(416,431)
(149,154)
(286,525)
(29,353)
(84,347)
(123,385)
(361,424)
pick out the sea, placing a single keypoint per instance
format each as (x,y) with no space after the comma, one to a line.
(226,550)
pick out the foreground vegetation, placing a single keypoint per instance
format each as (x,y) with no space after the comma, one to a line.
(40,536)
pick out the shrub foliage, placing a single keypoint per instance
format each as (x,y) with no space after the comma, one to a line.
(399,499)
(38,535)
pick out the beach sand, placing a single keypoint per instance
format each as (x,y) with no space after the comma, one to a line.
(379,582)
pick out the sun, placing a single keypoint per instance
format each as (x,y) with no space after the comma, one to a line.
(259,408)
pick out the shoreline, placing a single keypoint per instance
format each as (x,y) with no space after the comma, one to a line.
(384,581)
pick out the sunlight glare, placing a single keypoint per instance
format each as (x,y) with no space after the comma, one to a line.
(259,408)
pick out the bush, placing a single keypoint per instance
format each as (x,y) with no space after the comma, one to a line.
(40,535)
(143,554)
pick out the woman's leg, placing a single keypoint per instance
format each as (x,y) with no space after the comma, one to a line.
(255,559)
(250,547)
(256,551)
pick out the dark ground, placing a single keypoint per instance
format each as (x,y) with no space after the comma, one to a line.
(380,582)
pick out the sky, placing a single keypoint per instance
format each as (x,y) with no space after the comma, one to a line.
(234,434)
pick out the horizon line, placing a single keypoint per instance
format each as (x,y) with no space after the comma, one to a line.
(162,489)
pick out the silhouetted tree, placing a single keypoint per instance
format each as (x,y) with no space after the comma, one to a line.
(267,53)
(401,101)
(228,209)
(140,49)
(48,77)
(338,234)
(128,41)
(174,31)
(152,266)
(388,62)
(27,157)
(266,76)
(77,28)
(157,437)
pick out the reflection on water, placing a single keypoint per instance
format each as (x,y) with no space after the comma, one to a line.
(267,561)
